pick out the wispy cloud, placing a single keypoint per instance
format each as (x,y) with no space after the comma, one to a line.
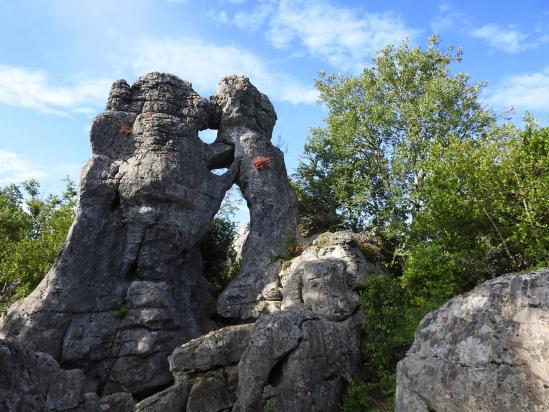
(206,63)
(253,19)
(32,89)
(344,37)
(16,170)
(508,39)
(448,18)
(529,91)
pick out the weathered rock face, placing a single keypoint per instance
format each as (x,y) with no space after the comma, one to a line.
(325,277)
(35,382)
(247,121)
(127,287)
(487,350)
(296,359)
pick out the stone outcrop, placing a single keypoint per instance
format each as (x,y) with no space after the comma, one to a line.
(301,356)
(486,350)
(247,121)
(298,361)
(127,287)
(32,381)
(325,277)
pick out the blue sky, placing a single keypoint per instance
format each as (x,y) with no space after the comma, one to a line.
(59,57)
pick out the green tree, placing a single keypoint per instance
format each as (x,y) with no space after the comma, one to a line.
(32,230)
(380,129)
(220,261)
(14,222)
(484,211)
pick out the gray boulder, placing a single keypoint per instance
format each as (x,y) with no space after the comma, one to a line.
(326,276)
(34,382)
(486,350)
(211,363)
(31,381)
(298,358)
(205,373)
(298,361)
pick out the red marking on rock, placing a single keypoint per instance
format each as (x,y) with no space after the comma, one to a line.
(261,162)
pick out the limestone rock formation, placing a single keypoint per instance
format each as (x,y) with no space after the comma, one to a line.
(125,314)
(325,277)
(247,121)
(298,358)
(486,350)
(127,287)
(35,382)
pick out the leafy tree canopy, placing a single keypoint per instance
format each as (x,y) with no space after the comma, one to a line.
(32,231)
(365,167)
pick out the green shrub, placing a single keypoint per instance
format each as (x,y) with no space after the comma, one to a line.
(220,262)
(122,310)
(392,312)
(360,397)
(33,229)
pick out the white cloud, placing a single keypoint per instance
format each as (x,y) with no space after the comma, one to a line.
(31,89)
(522,92)
(448,18)
(16,170)
(255,18)
(220,17)
(344,37)
(509,39)
(205,64)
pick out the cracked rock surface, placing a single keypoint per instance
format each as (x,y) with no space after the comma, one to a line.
(247,121)
(34,381)
(486,350)
(298,358)
(127,287)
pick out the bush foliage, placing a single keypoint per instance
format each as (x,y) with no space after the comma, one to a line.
(220,261)
(33,229)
